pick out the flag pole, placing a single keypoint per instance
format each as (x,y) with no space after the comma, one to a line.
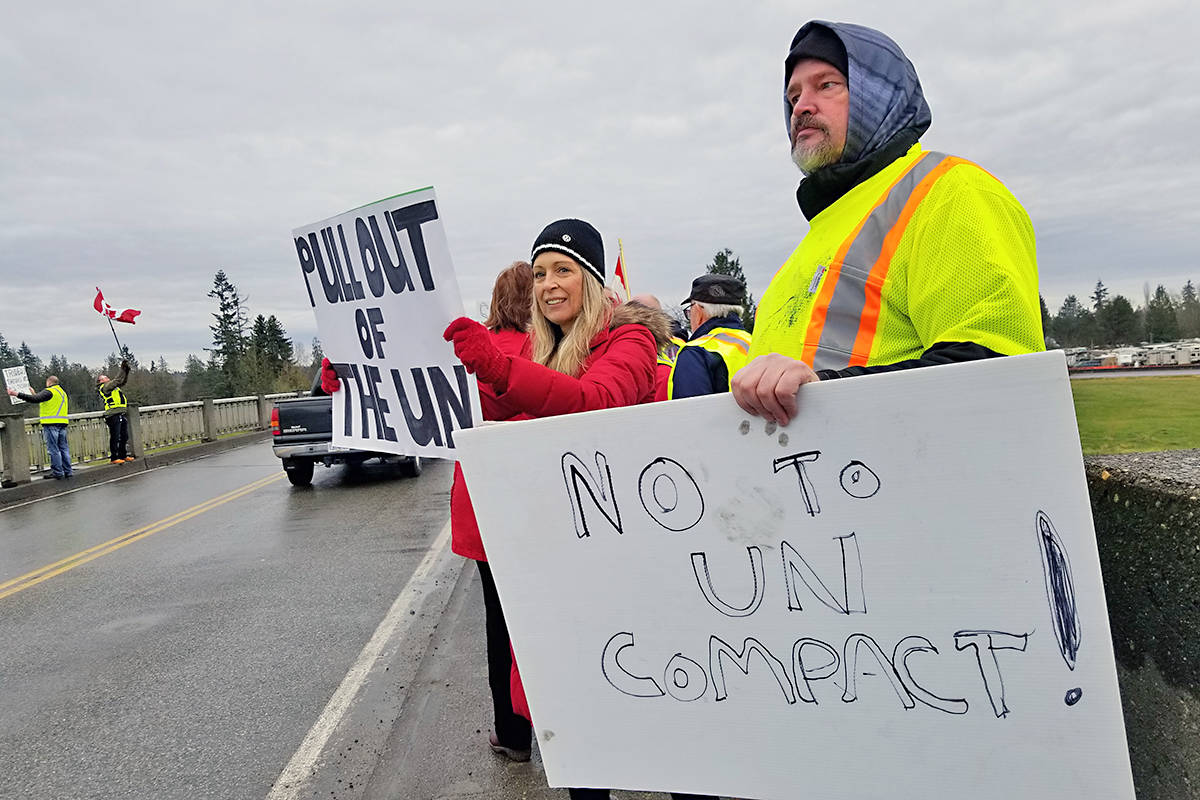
(120,353)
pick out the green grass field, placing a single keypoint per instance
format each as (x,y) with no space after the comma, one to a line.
(1129,415)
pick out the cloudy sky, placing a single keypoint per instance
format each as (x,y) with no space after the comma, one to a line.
(146,145)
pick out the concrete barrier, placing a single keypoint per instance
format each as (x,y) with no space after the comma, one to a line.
(1146,508)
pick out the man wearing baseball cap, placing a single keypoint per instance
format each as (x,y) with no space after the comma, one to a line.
(719,343)
(913,258)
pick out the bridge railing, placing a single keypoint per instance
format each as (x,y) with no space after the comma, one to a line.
(151,428)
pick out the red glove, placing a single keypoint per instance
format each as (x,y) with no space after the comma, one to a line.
(330,382)
(477,351)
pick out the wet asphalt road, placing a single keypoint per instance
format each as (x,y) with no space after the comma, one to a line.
(192,662)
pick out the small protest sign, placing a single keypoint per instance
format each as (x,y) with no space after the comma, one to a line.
(896,595)
(17,379)
(382,286)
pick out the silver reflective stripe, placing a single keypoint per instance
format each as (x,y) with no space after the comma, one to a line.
(850,293)
(744,346)
(61,394)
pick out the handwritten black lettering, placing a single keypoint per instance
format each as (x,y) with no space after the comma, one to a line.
(805,673)
(685,679)
(851,673)
(1060,590)
(700,565)
(599,489)
(741,659)
(809,492)
(670,495)
(859,481)
(919,644)
(853,599)
(620,678)
(989,665)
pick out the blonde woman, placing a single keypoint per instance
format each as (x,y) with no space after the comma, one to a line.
(587,354)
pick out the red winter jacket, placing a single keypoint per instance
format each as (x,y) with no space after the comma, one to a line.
(619,371)
(464,530)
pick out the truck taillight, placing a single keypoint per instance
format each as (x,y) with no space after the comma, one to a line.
(275,421)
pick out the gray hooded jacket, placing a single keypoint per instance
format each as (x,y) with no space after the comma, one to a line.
(888,112)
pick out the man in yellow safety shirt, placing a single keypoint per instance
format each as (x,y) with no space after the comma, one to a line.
(116,414)
(719,343)
(912,258)
(52,415)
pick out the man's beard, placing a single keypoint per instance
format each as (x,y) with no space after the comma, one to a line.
(812,157)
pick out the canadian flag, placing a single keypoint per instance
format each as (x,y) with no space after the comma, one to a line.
(104,308)
(621,275)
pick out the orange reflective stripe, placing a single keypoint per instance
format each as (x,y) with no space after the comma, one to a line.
(869,323)
(816,322)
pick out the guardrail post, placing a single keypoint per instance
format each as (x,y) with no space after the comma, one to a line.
(16,449)
(209,415)
(264,412)
(136,446)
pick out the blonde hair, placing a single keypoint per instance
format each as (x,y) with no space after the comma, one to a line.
(567,353)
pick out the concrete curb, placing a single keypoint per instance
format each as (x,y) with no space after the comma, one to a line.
(99,473)
(1146,508)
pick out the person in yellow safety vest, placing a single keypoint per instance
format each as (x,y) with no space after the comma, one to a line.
(116,415)
(54,406)
(719,344)
(666,353)
(912,258)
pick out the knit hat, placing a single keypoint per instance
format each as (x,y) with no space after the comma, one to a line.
(815,40)
(576,238)
(721,290)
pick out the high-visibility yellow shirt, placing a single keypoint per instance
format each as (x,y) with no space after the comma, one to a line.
(114,399)
(54,411)
(930,249)
(732,345)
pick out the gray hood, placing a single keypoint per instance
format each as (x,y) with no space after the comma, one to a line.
(885,93)
(888,112)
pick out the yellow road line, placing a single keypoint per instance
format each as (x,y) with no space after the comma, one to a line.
(70,562)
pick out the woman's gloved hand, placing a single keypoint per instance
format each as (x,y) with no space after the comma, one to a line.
(477,351)
(330,382)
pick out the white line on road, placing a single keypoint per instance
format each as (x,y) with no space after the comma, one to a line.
(299,770)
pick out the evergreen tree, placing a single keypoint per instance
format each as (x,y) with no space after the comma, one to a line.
(1161,322)
(1099,295)
(1074,325)
(318,354)
(1188,312)
(230,341)
(279,346)
(1047,322)
(197,379)
(33,364)
(8,356)
(1117,322)
(725,263)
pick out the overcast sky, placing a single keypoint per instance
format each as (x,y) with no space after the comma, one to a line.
(144,146)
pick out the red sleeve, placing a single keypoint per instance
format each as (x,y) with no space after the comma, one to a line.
(621,376)
(511,343)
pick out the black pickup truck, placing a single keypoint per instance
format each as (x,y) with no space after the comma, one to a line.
(302,435)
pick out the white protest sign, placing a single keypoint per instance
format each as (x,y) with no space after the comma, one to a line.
(382,286)
(16,378)
(897,595)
